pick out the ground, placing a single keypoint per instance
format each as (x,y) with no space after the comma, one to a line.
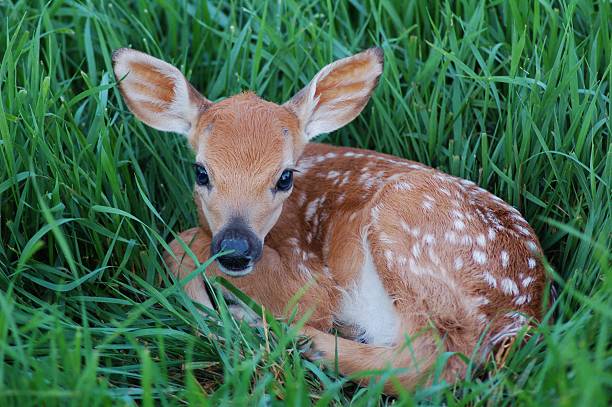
(514,96)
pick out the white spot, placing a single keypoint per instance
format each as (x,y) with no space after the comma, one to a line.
(481,240)
(458,263)
(402,261)
(433,256)
(531,263)
(520,300)
(509,287)
(441,177)
(479,257)
(365,176)
(532,246)
(489,279)
(330,155)
(414,232)
(459,224)
(505,258)
(416,249)
(457,214)
(429,239)
(526,281)
(403,186)
(428,205)
(367,306)
(491,234)
(332,174)
(451,237)
(311,209)
(445,191)
(523,231)
(349,154)
(466,240)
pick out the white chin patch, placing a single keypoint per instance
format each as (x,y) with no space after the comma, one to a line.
(234,273)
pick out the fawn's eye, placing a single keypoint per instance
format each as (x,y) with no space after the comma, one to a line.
(285,182)
(201,175)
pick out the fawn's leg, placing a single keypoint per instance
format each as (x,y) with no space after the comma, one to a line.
(271,283)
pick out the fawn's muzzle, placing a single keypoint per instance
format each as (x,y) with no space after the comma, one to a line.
(243,245)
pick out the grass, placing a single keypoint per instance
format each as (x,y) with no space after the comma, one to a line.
(513,95)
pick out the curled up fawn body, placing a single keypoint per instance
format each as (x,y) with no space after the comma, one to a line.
(390,249)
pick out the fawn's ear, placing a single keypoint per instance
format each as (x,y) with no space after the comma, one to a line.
(157,92)
(338,93)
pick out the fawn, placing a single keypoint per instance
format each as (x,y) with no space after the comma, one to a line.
(402,260)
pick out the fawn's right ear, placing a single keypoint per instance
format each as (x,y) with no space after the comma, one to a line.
(157,92)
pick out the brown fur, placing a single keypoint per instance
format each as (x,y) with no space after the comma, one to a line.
(457,264)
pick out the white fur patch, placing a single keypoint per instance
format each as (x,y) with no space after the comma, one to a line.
(481,240)
(489,279)
(505,258)
(509,287)
(491,234)
(367,306)
(459,225)
(526,281)
(479,257)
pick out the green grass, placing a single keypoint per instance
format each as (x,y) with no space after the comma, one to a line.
(514,95)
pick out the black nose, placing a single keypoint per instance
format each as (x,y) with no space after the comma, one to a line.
(245,247)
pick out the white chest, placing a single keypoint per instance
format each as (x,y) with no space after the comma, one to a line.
(367,306)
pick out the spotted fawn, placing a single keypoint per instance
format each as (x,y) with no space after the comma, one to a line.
(401,261)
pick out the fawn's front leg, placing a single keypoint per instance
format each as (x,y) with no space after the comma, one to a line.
(271,283)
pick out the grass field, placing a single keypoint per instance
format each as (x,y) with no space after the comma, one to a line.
(513,95)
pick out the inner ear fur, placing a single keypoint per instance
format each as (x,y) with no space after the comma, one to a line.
(337,93)
(157,92)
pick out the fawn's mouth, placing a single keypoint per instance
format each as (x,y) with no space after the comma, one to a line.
(235,273)
(238,248)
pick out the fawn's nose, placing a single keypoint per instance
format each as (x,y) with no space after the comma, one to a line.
(243,246)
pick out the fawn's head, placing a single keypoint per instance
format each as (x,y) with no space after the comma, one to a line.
(245,148)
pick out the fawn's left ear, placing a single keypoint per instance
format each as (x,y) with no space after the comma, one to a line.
(157,92)
(338,93)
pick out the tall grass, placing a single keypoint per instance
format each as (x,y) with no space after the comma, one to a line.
(514,95)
